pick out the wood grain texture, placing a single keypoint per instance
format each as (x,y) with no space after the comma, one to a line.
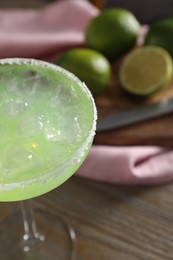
(116,222)
(113,222)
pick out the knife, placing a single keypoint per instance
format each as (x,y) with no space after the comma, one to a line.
(135,115)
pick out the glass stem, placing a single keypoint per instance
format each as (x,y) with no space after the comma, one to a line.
(31,235)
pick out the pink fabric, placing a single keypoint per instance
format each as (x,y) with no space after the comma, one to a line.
(129,165)
(43,34)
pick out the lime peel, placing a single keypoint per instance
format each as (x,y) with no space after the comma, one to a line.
(113,32)
(89,66)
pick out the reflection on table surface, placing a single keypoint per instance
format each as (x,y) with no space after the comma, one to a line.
(112,221)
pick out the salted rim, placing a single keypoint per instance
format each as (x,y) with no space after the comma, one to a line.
(78,155)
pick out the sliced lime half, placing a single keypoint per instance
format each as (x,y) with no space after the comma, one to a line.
(146,70)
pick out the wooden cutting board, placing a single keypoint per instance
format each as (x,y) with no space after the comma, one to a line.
(158,131)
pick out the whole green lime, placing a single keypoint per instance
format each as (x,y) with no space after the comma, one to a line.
(113,32)
(161,34)
(89,66)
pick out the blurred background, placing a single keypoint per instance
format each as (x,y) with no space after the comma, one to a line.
(146,11)
(23,3)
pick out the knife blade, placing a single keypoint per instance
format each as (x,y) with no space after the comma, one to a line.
(135,115)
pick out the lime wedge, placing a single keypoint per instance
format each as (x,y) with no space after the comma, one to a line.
(146,70)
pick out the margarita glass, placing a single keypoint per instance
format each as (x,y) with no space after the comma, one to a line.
(48,122)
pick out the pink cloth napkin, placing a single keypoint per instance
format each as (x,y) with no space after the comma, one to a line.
(43,34)
(129,165)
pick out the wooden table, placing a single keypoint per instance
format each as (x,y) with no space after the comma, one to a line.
(115,222)
(157,131)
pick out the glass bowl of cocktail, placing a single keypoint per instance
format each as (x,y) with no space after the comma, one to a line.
(48,122)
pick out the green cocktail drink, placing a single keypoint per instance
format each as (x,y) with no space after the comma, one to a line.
(46,127)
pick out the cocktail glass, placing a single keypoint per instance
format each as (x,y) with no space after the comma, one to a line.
(48,122)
